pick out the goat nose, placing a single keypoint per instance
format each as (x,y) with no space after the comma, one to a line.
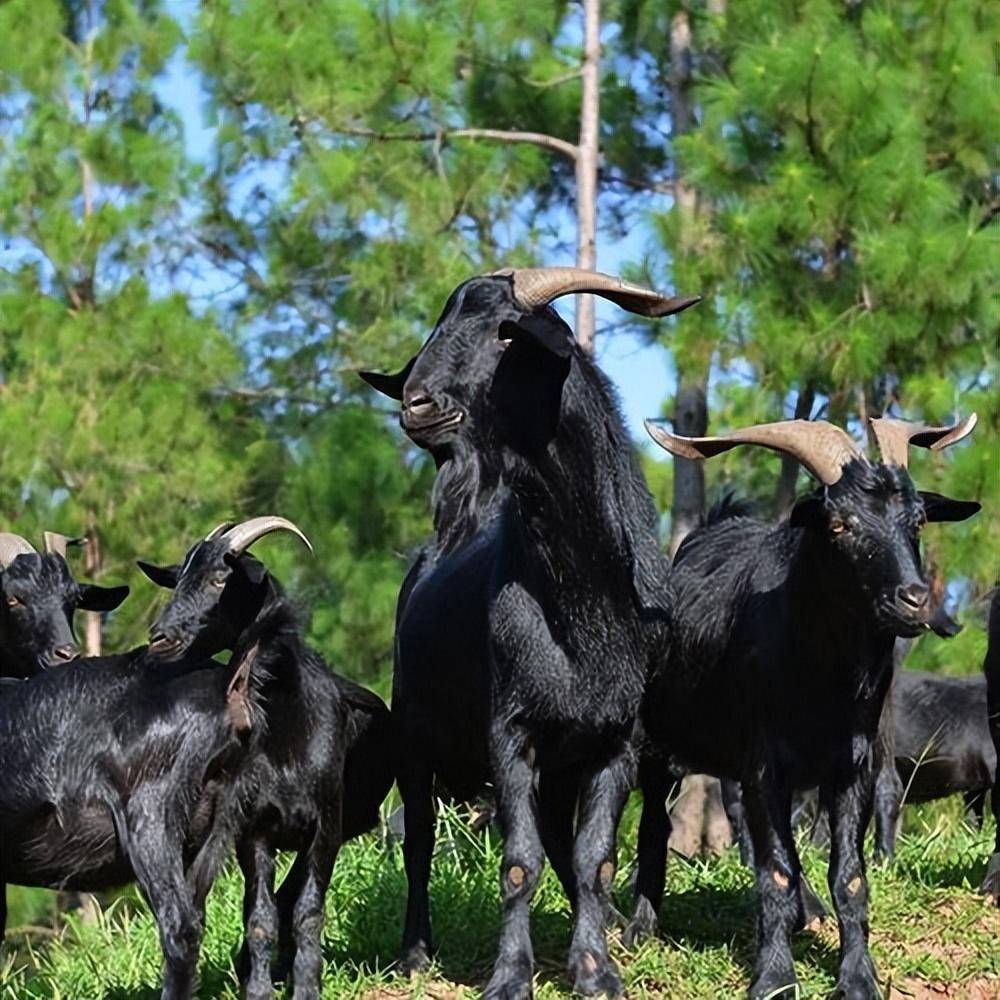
(417,400)
(65,653)
(914,596)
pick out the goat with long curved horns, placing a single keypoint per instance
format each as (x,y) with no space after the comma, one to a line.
(780,661)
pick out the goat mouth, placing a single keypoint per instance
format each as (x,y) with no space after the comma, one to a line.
(416,427)
(165,647)
(904,621)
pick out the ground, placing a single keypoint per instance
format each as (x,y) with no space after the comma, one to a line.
(932,936)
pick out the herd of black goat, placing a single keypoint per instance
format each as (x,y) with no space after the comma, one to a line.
(545,645)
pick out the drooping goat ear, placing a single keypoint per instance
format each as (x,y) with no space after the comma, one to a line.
(94,598)
(390,385)
(808,513)
(542,330)
(942,508)
(162,576)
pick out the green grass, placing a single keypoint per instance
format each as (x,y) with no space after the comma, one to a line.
(929,929)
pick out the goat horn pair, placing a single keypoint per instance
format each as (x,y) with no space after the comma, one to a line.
(894,437)
(538,286)
(12,546)
(822,448)
(241,536)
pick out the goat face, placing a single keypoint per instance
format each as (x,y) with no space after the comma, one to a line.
(219,590)
(216,594)
(871,519)
(444,387)
(36,613)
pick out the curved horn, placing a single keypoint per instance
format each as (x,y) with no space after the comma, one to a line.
(822,448)
(894,437)
(12,546)
(538,286)
(219,530)
(243,535)
(57,543)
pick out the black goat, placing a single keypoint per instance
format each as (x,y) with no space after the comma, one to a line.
(991,668)
(526,627)
(307,799)
(117,769)
(39,597)
(780,660)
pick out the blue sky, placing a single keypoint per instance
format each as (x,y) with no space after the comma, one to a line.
(642,372)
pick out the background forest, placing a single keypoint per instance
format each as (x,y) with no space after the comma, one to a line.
(213,214)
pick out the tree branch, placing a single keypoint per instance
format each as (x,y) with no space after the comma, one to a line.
(549,142)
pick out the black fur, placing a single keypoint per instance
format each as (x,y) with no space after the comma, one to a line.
(38,597)
(118,769)
(779,664)
(991,668)
(526,628)
(324,762)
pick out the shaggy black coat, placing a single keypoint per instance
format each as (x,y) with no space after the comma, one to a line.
(324,758)
(779,664)
(527,627)
(120,768)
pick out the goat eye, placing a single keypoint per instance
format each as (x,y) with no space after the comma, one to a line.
(15,602)
(837,526)
(219,580)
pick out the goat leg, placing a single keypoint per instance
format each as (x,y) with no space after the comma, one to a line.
(416,788)
(888,806)
(778,872)
(602,798)
(651,852)
(557,795)
(521,867)
(260,918)
(850,810)
(309,912)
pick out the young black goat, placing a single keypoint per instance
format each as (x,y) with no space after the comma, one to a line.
(991,668)
(117,769)
(531,617)
(779,664)
(39,597)
(308,799)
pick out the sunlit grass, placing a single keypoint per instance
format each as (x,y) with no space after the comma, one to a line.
(928,925)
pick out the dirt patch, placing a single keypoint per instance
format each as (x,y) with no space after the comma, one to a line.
(987,988)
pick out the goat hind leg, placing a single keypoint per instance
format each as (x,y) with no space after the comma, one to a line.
(557,795)
(260,918)
(651,852)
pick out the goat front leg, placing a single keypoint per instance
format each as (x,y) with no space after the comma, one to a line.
(309,911)
(521,867)
(651,852)
(768,810)
(260,918)
(416,788)
(602,798)
(155,854)
(850,809)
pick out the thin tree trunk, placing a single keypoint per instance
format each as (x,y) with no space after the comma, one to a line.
(586,166)
(92,568)
(784,492)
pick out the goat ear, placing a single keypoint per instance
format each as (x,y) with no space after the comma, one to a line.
(942,508)
(808,513)
(253,569)
(94,598)
(390,385)
(553,336)
(162,576)
(944,625)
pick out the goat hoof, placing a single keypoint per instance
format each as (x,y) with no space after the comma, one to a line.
(774,985)
(858,983)
(511,980)
(595,977)
(991,883)
(414,960)
(641,927)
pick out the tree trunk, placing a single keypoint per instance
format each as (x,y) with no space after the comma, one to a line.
(92,568)
(690,420)
(586,166)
